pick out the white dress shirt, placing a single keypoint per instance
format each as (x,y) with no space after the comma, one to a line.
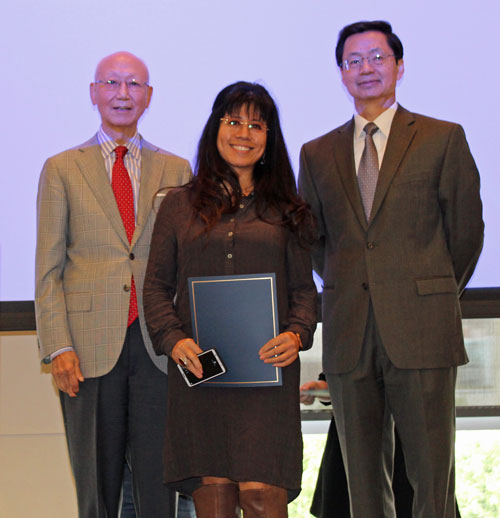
(380,137)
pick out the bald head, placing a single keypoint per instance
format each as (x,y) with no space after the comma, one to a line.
(121,93)
(124,58)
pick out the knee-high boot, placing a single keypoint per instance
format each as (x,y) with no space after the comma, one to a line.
(270,502)
(217,501)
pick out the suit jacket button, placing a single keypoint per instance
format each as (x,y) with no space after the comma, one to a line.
(370,245)
(365,286)
(126,287)
(131,256)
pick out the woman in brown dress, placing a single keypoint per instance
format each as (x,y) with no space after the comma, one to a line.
(234,447)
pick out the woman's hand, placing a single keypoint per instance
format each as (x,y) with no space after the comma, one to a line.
(308,399)
(185,353)
(282,350)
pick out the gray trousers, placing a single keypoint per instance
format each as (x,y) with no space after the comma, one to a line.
(422,404)
(115,417)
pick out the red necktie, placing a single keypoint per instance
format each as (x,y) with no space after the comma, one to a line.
(122,187)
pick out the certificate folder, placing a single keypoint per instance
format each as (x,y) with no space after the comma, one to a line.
(236,314)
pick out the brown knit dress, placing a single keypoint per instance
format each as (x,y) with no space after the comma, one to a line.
(245,434)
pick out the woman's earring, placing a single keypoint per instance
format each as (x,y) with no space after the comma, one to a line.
(262,160)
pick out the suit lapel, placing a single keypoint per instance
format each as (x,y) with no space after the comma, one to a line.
(344,158)
(151,174)
(400,137)
(91,164)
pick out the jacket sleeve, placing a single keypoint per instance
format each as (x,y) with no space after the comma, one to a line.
(461,206)
(52,231)
(307,189)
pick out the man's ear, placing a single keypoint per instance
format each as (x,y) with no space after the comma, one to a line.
(150,94)
(401,68)
(92,87)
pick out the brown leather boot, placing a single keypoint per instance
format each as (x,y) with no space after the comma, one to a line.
(217,501)
(270,502)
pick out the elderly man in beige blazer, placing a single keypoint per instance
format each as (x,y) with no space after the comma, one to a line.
(396,196)
(96,206)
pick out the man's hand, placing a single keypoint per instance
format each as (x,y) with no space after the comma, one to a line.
(67,373)
(309,392)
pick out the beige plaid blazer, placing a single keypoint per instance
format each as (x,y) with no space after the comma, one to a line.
(84,262)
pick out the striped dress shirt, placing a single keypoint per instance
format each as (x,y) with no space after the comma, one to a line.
(132,160)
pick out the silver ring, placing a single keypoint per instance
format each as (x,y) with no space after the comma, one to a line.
(184,360)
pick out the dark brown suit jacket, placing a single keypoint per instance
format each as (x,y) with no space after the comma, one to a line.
(415,255)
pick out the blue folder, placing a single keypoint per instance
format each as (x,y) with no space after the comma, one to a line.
(237,314)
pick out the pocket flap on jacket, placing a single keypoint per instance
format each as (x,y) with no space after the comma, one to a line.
(78,301)
(436,285)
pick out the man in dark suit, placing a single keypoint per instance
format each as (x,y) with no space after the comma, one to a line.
(400,221)
(97,205)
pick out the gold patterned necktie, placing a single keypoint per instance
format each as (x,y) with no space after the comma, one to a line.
(368,170)
(122,187)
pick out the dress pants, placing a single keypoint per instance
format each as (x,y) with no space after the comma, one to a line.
(185,504)
(422,404)
(331,497)
(119,416)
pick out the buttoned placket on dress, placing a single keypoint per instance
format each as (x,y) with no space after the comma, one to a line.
(232,228)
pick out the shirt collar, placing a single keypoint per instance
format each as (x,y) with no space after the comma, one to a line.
(383,121)
(108,145)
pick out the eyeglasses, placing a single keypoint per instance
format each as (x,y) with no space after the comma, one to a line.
(113,85)
(377,60)
(254,127)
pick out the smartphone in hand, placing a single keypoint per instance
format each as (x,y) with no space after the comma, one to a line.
(212,367)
